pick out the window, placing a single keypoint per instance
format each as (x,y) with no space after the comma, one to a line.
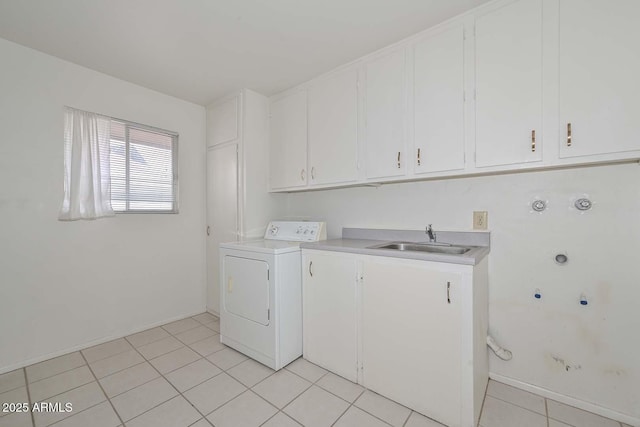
(144,175)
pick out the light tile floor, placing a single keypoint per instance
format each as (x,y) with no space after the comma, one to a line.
(180,375)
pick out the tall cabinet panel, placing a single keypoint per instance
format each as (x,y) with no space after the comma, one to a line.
(288,141)
(329,312)
(385,112)
(438,102)
(333,129)
(599,69)
(222,212)
(239,205)
(509,84)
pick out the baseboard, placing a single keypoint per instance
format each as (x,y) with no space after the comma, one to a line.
(86,345)
(567,400)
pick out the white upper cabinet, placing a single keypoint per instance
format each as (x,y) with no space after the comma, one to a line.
(385,115)
(599,56)
(438,102)
(288,141)
(509,84)
(333,129)
(223,122)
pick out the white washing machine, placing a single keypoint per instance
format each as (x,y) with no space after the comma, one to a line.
(261,292)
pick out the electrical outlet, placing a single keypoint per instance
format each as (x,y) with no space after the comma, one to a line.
(480,220)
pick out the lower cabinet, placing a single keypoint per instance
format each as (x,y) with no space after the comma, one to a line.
(416,330)
(329,312)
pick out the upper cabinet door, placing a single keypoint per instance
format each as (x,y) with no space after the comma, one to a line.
(438,102)
(599,71)
(509,84)
(223,122)
(288,141)
(385,113)
(333,129)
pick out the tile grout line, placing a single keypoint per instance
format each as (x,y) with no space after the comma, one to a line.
(26,386)
(103,392)
(546,411)
(513,404)
(178,391)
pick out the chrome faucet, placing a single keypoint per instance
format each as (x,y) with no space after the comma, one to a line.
(432,234)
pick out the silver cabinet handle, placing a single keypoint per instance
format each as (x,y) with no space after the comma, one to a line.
(208,230)
(419,157)
(313,173)
(302,174)
(448,292)
(568,134)
(398,160)
(533,140)
(310,272)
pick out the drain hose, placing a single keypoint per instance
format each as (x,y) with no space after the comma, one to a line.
(502,353)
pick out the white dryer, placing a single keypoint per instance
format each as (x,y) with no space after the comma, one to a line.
(261,292)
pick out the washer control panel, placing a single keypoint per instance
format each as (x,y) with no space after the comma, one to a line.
(296,231)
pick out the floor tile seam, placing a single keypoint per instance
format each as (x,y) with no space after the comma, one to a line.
(201,419)
(249,387)
(202,382)
(147,343)
(173,351)
(176,389)
(306,379)
(375,416)
(272,416)
(195,342)
(173,334)
(161,354)
(103,392)
(307,387)
(121,370)
(207,323)
(342,398)
(26,385)
(57,373)
(341,415)
(166,354)
(179,367)
(76,413)
(133,388)
(106,357)
(72,388)
(227,401)
(269,403)
(15,388)
(48,378)
(224,348)
(220,367)
(484,401)
(513,404)
(546,411)
(201,339)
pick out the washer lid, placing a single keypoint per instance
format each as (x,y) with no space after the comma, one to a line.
(263,246)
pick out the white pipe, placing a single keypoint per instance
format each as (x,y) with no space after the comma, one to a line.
(502,353)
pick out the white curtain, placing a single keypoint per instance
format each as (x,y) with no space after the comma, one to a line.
(87,180)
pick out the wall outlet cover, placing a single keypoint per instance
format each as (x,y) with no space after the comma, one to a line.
(480,220)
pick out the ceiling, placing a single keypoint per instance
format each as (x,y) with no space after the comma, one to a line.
(199,50)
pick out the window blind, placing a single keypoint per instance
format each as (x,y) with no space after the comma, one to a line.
(143,168)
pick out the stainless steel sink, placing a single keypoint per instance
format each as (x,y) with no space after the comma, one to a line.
(424,247)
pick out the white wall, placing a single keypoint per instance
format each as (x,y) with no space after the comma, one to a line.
(67,284)
(589,353)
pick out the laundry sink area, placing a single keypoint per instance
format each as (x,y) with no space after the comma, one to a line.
(441,248)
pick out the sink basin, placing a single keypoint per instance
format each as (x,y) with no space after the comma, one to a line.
(424,247)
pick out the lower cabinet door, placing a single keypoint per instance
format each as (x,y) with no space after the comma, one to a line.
(411,336)
(329,312)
